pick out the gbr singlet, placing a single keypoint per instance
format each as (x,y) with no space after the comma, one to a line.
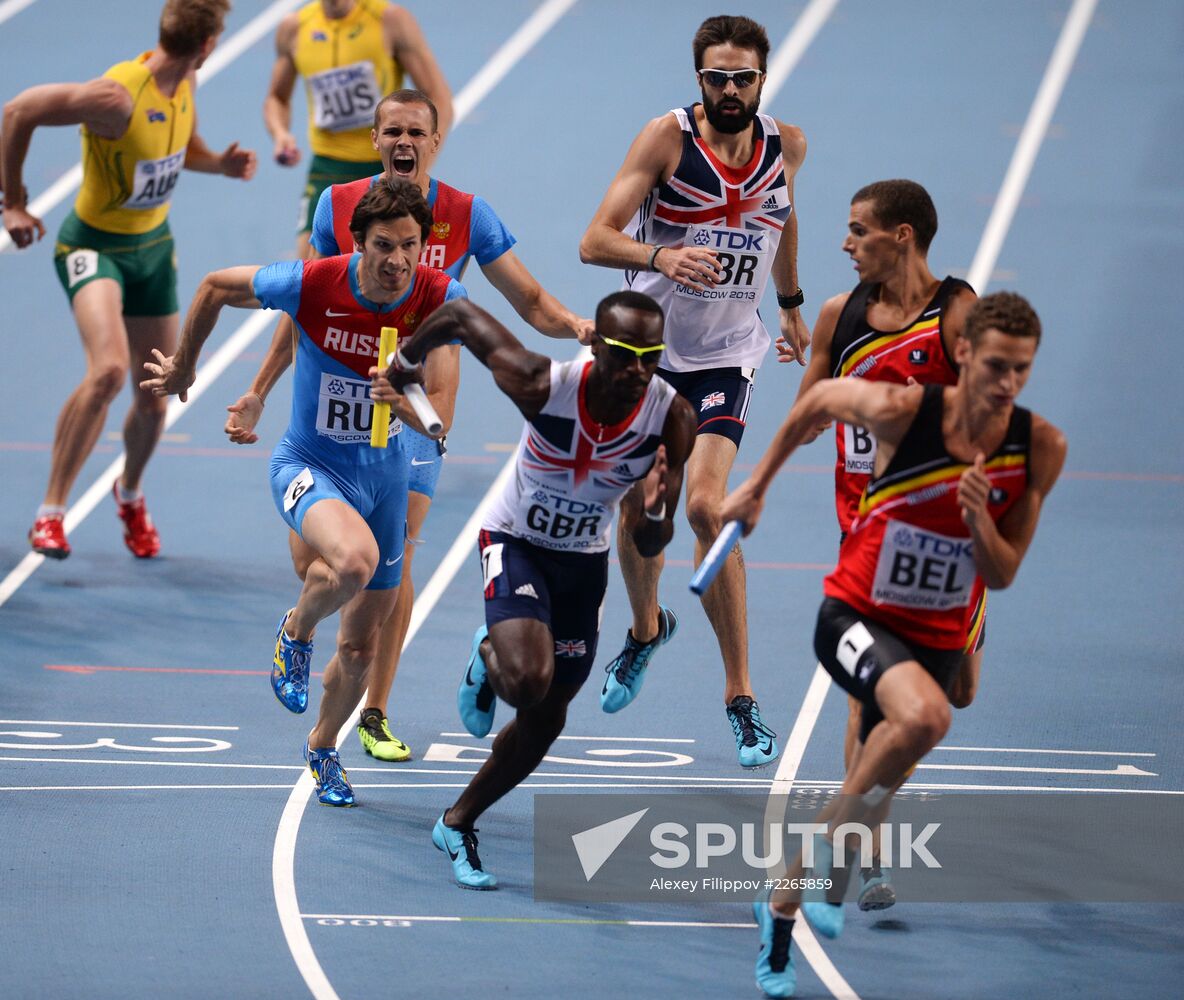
(860,351)
(908,562)
(571,472)
(737,211)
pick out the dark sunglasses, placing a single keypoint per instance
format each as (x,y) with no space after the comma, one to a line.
(625,354)
(718,78)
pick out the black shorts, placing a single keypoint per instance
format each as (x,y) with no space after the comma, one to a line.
(719,396)
(856,651)
(563,590)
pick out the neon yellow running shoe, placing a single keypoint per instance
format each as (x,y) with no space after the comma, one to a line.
(377,741)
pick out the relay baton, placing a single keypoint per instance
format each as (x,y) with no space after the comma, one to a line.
(713,562)
(419,400)
(380,423)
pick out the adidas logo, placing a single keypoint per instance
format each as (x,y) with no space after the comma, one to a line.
(622,469)
(527,590)
(769,203)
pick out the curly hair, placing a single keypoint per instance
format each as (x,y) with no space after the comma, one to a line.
(1007,312)
(384,202)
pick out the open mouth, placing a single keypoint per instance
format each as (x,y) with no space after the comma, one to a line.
(403,165)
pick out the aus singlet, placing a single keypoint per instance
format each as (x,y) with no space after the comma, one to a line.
(860,351)
(908,562)
(571,472)
(127,182)
(737,211)
(347,68)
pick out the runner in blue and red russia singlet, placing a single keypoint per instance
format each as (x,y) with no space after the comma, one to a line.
(326,449)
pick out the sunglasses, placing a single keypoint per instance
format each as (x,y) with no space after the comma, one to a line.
(718,78)
(625,354)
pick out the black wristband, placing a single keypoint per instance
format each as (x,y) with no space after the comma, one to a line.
(791,301)
(650,264)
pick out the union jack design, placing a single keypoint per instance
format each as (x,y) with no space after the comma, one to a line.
(571,647)
(712,399)
(590,460)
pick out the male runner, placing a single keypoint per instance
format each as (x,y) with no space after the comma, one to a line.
(114,252)
(350,53)
(407,136)
(899,324)
(593,429)
(696,216)
(957,485)
(346,500)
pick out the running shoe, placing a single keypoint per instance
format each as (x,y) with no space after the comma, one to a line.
(756,743)
(291,664)
(48,537)
(475,699)
(823,915)
(774,964)
(627,671)
(461,848)
(139,533)
(333,788)
(375,733)
(876,892)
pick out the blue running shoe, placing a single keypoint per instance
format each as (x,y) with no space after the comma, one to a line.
(333,788)
(461,848)
(774,964)
(627,671)
(475,700)
(756,743)
(824,916)
(876,893)
(291,664)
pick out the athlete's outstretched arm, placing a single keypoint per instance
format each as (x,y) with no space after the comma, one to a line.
(233,286)
(277,105)
(533,302)
(795,336)
(1000,548)
(885,410)
(653,531)
(521,374)
(102,105)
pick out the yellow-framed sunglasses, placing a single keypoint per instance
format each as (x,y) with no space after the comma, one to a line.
(624,353)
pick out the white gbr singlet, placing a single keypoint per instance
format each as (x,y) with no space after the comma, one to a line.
(571,472)
(738,211)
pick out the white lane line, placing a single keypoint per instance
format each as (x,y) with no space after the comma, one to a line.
(283,858)
(217,364)
(1028,146)
(10,8)
(789,53)
(522,920)
(223,56)
(1084,753)
(1124,769)
(112,725)
(626,739)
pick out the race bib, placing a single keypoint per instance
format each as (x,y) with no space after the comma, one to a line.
(743,257)
(344,410)
(297,488)
(344,98)
(80,265)
(923,569)
(154,180)
(560,522)
(859,450)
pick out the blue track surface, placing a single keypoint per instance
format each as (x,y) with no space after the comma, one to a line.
(144,863)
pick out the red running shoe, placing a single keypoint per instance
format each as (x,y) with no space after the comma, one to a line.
(48,537)
(139,533)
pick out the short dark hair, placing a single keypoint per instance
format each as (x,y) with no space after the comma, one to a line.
(743,32)
(390,201)
(628,299)
(408,96)
(186,25)
(899,202)
(1007,312)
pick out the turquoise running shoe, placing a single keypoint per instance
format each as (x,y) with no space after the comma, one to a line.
(876,892)
(291,664)
(824,916)
(756,743)
(475,700)
(627,671)
(333,788)
(774,964)
(461,848)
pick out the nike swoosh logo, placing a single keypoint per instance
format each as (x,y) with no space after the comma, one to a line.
(430,461)
(469,682)
(391,562)
(331,313)
(448,851)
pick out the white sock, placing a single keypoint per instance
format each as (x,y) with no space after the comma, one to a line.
(126,496)
(51,510)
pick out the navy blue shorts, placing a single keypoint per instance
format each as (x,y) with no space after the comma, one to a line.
(563,590)
(719,397)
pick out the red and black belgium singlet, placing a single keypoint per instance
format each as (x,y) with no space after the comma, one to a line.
(859,351)
(908,562)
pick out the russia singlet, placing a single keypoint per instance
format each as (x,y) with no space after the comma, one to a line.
(571,472)
(860,351)
(908,562)
(737,211)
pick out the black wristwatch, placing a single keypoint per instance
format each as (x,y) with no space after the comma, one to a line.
(791,301)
